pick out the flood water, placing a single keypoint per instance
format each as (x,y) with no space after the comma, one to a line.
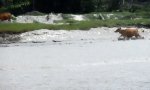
(75,60)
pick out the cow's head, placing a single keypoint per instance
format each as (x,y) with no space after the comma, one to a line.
(118,29)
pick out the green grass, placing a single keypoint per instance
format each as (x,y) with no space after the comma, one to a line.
(74,25)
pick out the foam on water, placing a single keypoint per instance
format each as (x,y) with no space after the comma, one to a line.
(78,17)
(102,33)
(73,35)
(47,19)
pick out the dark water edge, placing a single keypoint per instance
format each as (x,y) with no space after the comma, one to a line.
(7,38)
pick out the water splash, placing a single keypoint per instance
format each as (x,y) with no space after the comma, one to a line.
(47,19)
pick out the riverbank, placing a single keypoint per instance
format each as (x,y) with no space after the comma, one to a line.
(15,28)
(52,21)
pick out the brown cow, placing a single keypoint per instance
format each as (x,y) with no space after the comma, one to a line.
(128,33)
(5,16)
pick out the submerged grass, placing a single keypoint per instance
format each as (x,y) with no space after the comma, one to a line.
(73,25)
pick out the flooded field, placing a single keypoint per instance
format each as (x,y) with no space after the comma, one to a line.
(75,60)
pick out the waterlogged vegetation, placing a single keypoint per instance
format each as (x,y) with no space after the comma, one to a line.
(73,25)
(92,20)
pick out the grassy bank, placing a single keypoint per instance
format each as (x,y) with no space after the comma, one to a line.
(72,25)
(92,20)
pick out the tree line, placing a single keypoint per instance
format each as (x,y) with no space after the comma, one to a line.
(74,6)
(85,6)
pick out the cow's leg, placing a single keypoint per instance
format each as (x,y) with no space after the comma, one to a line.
(124,37)
(120,36)
(127,38)
(137,36)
